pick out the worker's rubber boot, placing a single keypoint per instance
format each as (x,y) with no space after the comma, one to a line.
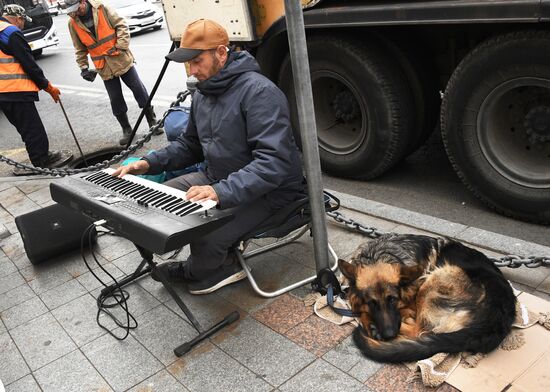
(152,120)
(126,129)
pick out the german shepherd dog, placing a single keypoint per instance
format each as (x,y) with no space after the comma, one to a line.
(417,296)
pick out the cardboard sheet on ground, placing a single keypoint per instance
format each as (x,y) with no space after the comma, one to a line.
(524,369)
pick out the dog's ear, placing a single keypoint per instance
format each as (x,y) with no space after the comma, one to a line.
(410,273)
(349,270)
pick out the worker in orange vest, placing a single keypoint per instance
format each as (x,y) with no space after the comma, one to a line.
(97,30)
(20,80)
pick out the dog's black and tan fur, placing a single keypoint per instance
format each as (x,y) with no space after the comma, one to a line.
(418,296)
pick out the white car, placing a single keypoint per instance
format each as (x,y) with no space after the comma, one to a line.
(139,14)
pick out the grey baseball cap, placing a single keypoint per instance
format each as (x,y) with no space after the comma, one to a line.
(16,10)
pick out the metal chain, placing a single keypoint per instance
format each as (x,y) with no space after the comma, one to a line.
(510,261)
(105,164)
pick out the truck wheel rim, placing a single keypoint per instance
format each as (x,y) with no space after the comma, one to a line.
(340,114)
(513,131)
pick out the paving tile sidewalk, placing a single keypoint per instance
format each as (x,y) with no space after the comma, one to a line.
(50,341)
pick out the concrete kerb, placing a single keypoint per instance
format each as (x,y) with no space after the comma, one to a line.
(477,237)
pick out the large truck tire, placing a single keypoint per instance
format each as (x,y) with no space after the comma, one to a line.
(419,71)
(363,106)
(495,123)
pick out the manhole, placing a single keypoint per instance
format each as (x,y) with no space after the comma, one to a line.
(94,157)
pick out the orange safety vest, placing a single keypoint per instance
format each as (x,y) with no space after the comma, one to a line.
(105,40)
(13,77)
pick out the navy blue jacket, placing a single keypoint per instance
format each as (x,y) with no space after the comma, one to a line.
(13,42)
(240,126)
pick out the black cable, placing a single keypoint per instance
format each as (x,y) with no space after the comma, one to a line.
(120,296)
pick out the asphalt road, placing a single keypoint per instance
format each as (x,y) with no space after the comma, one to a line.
(424,182)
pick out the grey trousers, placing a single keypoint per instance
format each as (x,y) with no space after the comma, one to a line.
(209,252)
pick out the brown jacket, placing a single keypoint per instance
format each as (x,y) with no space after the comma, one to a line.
(114,65)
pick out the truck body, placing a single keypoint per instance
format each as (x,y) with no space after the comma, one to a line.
(386,74)
(41,32)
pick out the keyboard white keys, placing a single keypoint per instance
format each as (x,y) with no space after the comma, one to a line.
(149,193)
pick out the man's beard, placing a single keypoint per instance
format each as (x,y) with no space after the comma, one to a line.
(216,66)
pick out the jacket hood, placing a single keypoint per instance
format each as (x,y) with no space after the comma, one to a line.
(237,64)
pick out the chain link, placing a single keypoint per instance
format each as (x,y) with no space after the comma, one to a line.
(510,261)
(105,164)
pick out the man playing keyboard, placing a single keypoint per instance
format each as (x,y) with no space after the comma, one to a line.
(239,125)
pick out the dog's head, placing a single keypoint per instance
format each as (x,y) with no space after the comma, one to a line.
(377,293)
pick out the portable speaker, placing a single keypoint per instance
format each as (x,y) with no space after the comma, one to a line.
(52,231)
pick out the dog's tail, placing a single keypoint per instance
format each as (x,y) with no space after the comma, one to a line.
(425,346)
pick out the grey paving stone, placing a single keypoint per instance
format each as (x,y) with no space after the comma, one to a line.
(13,247)
(111,248)
(90,282)
(396,214)
(345,241)
(34,185)
(129,262)
(78,318)
(532,277)
(62,294)
(264,351)
(161,331)
(45,276)
(156,289)
(346,357)
(75,265)
(122,363)
(10,281)
(11,227)
(321,376)
(139,302)
(544,286)
(47,203)
(20,204)
(4,232)
(404,229)
(5,216)
(21,261)
(15,296)
(71,373)
(41,341)
(207,309)
(2,327)
(160,382)
(10,196)
(6,266)
(271,271)
(25,384)
(23,312)
(543,295)
(207,368)
(13,366)
(40,196)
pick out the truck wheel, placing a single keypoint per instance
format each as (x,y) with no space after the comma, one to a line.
(419,72)
(37,53)
(495,123)
(363,107)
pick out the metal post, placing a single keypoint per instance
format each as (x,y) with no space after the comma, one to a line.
(306,115)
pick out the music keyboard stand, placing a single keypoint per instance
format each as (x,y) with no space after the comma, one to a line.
(146,266)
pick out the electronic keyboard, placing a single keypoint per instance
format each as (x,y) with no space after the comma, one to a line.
(154,216)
